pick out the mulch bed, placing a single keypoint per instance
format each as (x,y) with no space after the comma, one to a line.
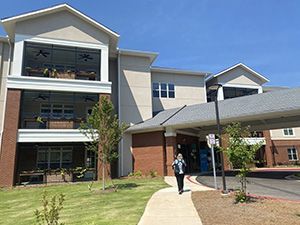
(215,209)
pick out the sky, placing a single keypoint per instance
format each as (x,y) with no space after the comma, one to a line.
(201,35)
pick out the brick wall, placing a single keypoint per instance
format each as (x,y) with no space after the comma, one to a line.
(280,151)
(9,140)
(148,152)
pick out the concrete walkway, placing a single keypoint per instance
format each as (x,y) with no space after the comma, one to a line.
(166,206)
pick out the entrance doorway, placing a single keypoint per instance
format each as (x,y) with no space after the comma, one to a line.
(191,157)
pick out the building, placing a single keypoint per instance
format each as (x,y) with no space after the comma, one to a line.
(55,65)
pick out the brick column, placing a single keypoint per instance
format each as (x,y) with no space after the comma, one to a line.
(107,168)
(9,139)
(170,139)
(269,149)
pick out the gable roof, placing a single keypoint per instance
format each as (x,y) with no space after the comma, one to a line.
(9,22)
(258,75)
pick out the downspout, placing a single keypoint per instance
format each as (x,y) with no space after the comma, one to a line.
(119,114)
(5,91)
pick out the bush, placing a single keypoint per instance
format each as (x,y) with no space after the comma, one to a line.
(241,197)
(137,173)
(153,173)
(49,215)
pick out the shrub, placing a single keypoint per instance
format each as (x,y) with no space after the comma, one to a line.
(153,173)
(137,173)
(49,214)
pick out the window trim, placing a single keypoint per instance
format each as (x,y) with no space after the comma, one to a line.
(292,154)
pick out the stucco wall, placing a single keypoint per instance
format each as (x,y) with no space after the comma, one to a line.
(4,54)
(239,75)
(189,90)
(135,89)
(135,100)
(62,25)
(278,134)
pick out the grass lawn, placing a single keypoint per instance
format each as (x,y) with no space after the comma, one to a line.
(215,209)
(81,206)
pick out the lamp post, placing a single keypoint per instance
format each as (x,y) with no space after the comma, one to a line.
(216,87)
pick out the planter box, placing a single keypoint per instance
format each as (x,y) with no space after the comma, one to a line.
(66,75)
(61,124)
(57,178)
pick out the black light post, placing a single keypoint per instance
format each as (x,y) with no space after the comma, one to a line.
(216,88)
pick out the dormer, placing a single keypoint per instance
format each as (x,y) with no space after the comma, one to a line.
(236,81)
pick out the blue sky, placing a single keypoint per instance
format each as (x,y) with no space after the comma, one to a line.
(203,35)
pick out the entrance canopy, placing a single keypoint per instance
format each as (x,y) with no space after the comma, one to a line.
(273,110)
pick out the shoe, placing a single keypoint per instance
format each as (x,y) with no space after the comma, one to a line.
(180,192)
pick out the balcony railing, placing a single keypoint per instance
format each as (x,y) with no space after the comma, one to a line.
(61,74)
(32,121)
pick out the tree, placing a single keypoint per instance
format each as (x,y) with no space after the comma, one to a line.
(105,131)
(241,154)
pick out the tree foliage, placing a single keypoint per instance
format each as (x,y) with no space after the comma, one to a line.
(105,131)
(241,154)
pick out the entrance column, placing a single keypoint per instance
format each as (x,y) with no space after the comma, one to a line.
(268,149)
(8,150)
(170,145)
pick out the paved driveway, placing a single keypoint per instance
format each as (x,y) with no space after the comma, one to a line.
(266,183)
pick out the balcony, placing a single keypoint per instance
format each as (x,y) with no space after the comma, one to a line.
(60,62)
(55,110)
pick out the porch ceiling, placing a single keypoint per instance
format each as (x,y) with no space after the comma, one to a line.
(273,110)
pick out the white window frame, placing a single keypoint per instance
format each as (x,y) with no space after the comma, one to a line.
(50,149)
(288,132)
(292,154)
(167,89)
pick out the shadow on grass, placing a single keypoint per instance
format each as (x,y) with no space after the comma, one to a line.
(126,186)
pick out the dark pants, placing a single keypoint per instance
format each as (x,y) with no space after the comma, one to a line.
(179,178)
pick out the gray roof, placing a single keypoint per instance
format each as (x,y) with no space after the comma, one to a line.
(247,108)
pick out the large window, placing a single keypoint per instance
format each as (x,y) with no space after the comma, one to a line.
(288,132)
(233,92)
(54,157)
(57,111)
(163,90)
(292,154)
(41,60)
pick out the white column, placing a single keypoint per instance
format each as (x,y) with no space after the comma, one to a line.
(220,93)
(104,64)
(18,58)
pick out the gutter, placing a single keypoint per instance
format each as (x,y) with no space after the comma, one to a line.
(119,113)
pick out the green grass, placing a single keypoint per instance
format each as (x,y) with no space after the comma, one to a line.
(81,206)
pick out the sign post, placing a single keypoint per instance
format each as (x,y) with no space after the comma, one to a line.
(211,139)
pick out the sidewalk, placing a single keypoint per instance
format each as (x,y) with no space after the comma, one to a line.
(166,206)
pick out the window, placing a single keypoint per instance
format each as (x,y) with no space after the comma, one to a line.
(171,90)
(288,132)
(57,111)
(292,154)
(54,157)
(232,92)
(155,88)
(163,90)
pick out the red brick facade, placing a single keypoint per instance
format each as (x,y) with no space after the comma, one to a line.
(9,139)
(280,151)
(170,154)
(148,152)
